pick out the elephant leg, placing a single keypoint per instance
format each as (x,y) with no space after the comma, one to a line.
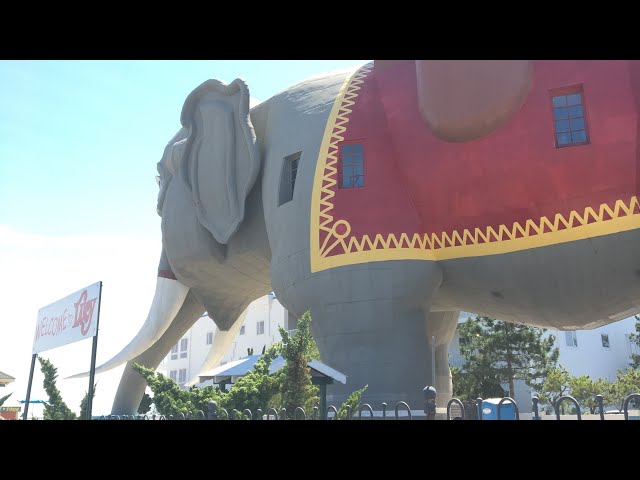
(369,324)
(132,385)
(441,326)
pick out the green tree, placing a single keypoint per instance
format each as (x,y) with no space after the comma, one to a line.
(145,404)
(256,389)
(55,408)
(584,390)
(554,385)
(627,382)
(353,401)
(635,338)
(480,381)
(297,350)
(4,399)
(83,403)
(170,399)
(505,352)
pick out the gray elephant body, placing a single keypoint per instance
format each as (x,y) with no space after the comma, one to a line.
(373,321)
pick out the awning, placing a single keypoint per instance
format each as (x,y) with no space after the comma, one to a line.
(230,372)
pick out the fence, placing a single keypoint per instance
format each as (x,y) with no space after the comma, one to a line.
(456,410)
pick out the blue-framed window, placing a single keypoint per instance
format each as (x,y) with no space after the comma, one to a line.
(570,124)
(352,165)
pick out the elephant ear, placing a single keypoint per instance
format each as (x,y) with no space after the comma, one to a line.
(222,158)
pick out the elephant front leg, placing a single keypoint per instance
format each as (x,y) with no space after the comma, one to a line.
(440,328)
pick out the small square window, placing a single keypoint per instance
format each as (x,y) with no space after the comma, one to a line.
(209,338)
(605,340)
(260,328)
(570,127)
(242,330)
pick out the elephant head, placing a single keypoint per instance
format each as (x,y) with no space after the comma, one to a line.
(208,168)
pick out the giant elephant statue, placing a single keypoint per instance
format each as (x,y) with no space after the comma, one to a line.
(389,198)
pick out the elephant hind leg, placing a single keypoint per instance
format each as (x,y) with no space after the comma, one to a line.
(132,385)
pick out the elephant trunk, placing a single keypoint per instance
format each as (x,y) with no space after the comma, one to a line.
(167,300)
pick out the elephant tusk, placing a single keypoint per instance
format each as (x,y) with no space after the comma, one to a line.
(167,300)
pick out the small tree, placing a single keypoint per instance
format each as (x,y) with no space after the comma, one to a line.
(170,399)
(4,399)
(55,408)
(635,338)
(297,389)
(506,351)
(353,401)
(627,382)
(584,390)
(84,401)
(145,404)
(256,389)
(554,385)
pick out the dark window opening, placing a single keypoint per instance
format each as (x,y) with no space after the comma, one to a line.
(288,177)
(352,165)
(570,126)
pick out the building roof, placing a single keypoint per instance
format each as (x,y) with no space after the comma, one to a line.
(230,372)
(5,379)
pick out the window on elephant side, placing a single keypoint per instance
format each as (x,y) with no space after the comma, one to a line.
(569,120)
(184,346)
(260,328)
(351,165)
(604,337)
(242,330)
(209,338)
(288,177)
(174,352)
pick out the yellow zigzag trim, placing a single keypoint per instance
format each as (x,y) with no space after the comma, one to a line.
(432,246)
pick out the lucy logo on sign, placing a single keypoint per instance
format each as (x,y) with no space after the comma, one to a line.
(84,312)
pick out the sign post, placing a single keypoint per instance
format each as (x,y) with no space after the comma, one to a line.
(68,320)
(94,349)
(26,405)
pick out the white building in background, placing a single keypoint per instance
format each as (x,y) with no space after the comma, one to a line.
(600,352)
(259,330)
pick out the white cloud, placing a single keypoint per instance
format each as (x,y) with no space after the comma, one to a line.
(37,270)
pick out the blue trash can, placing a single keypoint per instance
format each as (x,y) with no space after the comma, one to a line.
(490,410)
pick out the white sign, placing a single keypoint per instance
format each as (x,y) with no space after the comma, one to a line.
(68,320)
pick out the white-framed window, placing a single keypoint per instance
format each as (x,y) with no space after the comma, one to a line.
(174,352)
(209,338)
(260,327)
(184,346)
(571,338)
(182,375)
(242,330)
(173,375)
(605,340)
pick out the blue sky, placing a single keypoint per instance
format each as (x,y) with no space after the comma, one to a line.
(79,143)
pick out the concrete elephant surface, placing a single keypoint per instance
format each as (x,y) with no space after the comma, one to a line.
(389,198)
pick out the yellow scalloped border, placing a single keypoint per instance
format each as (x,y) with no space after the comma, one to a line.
(426,246)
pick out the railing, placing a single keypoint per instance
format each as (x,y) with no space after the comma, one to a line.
(401,411)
